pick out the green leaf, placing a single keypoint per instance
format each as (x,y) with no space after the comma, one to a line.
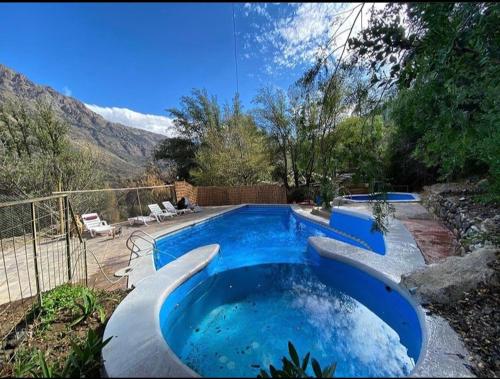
(316,368)
(78,320)
(305,362)
(293,354)
(46,369)
(263,374)
(102,315)
(274,372)
(329,371)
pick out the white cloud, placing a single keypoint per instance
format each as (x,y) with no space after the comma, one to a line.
(302,32)
(259,8)
(67,91)
(153,123)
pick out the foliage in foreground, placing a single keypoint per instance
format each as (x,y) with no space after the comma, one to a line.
(76,304)
(297,368)
(84,358)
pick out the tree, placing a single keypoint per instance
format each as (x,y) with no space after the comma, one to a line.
(178,151)
(36,157)
(291,121)
(275,118)
(444,61)
(361,150)
(218,147)
(198,114)
(234,154)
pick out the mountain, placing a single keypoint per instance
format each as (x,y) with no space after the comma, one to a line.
(125,150)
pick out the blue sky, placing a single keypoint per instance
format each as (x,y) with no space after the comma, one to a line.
(131,61)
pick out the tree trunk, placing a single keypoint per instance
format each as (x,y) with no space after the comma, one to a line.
(285,166)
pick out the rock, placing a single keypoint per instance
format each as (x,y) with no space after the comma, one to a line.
(447,281)
(491,225)
(473,230)
(482,185)
(476,246)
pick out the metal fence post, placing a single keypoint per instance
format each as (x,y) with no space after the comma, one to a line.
(85,260)
(35,253)
(68,245)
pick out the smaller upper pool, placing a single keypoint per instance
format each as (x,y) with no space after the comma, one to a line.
(395,197)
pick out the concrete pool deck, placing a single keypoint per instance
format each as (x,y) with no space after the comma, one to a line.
(443,353)
(435,241)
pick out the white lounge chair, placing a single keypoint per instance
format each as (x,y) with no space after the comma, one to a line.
(158,213)
(170,208)
(142,220)
(95,225)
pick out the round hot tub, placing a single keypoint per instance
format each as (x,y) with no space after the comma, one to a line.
(236,322)
(391,197)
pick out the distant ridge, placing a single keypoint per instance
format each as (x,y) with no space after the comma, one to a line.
(125,149)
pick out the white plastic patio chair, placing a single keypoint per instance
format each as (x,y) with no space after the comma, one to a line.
(158,213)
(170,208)
(141,220)
(95,225)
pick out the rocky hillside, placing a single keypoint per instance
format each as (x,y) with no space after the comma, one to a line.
(124,149)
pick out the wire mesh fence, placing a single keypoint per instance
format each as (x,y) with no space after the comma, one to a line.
(124,210)
(120,205)
(43,244)
(40,249)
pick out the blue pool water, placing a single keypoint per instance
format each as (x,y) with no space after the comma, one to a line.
(268,286)
(389,196)
(236,322)
(251,235)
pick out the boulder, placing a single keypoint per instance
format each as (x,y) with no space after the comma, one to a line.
(446,281)
(491,225)
(482,185)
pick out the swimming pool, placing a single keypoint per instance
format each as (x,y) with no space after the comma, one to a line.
(236,322)
(211,313)
(268,285)
(256,234)
(393,197)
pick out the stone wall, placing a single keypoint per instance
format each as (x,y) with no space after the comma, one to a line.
(475,225)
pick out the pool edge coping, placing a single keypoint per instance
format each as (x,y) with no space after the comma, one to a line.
(135,322)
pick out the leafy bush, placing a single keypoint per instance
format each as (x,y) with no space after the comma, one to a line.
(83,360)
(84,357)
(295,368)
(89,306)
(60,298)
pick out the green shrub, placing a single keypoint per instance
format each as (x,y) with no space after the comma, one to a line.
(297,368)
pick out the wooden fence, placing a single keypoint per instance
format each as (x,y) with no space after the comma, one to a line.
(211,195)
